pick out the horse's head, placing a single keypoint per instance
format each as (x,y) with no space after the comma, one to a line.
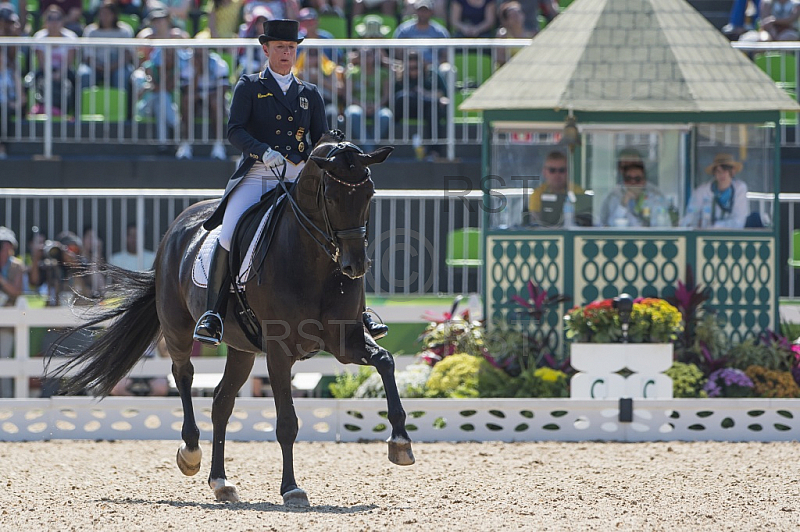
(346,191)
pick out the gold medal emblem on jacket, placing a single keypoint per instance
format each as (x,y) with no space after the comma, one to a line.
(300,132)
(301,147)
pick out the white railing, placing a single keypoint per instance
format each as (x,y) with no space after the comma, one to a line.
(350,420)
(146,102)
(151,106)
(22,366)
(408,228)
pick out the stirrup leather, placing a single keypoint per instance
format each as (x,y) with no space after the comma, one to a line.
(205,329)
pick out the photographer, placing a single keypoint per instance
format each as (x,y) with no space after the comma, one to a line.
(67,271)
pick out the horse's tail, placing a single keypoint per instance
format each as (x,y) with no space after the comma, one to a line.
(114,351)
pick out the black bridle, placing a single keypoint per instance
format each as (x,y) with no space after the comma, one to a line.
(329,237)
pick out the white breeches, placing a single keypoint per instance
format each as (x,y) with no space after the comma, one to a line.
(255,184)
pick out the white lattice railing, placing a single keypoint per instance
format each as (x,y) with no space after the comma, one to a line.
(428,419)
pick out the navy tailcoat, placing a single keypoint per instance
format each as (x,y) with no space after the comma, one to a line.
(263,117)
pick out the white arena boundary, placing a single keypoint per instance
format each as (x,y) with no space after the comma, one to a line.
(352,420)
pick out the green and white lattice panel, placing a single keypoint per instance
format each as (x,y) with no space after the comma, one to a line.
(608,265)
(516,259)
(740,272)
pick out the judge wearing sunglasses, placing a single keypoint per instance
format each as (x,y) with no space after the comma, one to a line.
(556,181)
(631,202)
(722,202)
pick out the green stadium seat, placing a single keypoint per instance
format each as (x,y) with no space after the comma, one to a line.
(99,104)
(472,69)
(464,248)
(335,25)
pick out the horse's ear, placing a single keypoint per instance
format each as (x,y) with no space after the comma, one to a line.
(323,162)
(378,156)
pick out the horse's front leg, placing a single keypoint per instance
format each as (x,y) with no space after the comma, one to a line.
(279,365)
(237,370)
(400,452)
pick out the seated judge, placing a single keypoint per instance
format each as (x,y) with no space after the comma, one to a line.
(631,202)
(556,181)
(721,202)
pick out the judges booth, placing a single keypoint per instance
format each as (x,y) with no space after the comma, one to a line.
(598,238)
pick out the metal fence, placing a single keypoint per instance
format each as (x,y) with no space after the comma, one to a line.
(171,91)
(166,92)
(409,229)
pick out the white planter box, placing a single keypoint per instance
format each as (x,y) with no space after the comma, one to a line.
(598,364)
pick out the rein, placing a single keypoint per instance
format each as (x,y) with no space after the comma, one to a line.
(329,237)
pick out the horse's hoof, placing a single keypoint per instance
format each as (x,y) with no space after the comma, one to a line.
(400,452)
(189,461)
(224,491)
(295,497)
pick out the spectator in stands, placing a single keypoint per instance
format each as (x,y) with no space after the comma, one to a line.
(722,202)
(72,11)
(333,8)
(368,101)
(736,23)
(533,9)
(204,86)
(779,20)
(419,89)
(128,258)
(473,18)
(309,28)
(386,7)
(156,77)
(63,59)
(12,271)
(422,27)
(111,67)
(630,203)
(280,9)
(512,26)
(249,60)
(12,97)
(18,8)
(178,11)
(555,174)
(224,18)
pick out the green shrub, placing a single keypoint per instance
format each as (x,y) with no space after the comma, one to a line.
(687,380)
(346,384)
(456,376)
(544,382)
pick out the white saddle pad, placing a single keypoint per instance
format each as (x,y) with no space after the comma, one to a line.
(202,263)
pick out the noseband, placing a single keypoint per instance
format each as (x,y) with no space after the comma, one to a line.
(329,237)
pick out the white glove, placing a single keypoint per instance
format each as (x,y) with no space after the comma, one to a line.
(272,159)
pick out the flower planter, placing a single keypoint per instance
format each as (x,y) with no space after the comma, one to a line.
(598,366)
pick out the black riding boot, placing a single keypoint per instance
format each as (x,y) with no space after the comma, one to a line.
(375,329)
(209,327)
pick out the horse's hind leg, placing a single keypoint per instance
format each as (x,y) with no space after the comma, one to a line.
(237,370)
(280,378)
(189,453)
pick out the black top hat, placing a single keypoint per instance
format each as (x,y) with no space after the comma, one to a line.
(281,30)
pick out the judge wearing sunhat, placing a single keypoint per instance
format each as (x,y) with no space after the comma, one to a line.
(721,202)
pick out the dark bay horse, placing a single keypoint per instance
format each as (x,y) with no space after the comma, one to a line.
(310,298)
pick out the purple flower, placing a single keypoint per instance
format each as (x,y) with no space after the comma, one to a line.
(729,382)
